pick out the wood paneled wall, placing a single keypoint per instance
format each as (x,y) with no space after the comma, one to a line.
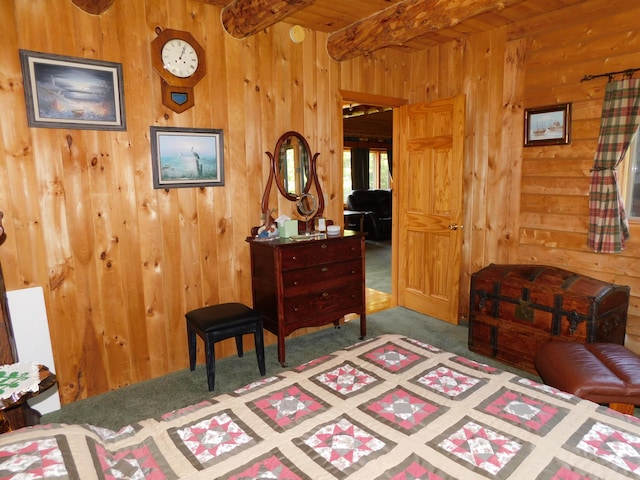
(554,208)
(530,205)
(121,262)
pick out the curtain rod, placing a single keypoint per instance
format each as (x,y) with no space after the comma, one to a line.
(628,72)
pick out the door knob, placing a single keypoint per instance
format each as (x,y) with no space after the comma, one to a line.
(453,226)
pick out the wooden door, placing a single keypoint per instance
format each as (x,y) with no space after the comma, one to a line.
(428,178)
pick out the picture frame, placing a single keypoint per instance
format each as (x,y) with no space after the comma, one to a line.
(187,157)
(550,125)
(71,92)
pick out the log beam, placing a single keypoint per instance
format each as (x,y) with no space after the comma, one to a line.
(242,18)
(93,7)
(403,22)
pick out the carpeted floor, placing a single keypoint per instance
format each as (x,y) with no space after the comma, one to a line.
(378,265)
(155,397)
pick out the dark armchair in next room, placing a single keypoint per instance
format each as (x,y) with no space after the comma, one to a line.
(375,209)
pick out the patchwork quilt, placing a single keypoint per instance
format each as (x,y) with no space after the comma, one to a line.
(386,408)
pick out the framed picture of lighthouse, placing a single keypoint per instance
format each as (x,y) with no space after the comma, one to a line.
(187,157)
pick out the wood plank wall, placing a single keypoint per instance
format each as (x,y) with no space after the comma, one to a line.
(121,262)
(554,212)
(530,205)
(487,71)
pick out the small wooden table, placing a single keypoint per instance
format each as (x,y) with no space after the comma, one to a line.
(349,214)
(16,412)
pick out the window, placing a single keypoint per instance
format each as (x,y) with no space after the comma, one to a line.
(630,176)
(346,174)
(379,174)
(378,169)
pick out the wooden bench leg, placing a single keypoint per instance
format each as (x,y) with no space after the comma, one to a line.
(622,407)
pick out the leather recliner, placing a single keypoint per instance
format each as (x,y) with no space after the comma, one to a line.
(376,207)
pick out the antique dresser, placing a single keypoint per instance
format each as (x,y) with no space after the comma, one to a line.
(516,308)
(308,283)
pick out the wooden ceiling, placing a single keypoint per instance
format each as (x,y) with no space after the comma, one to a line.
(371,127)
(360,27)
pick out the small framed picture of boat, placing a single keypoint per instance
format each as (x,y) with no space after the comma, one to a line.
(187,157)
(70,92)
(549,125)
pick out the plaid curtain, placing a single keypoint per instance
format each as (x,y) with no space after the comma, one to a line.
(608,226)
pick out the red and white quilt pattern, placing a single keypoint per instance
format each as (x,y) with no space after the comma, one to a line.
(386,408)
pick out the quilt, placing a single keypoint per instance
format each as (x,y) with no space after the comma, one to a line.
(390,407)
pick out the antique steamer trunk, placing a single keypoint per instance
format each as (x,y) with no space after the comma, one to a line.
(516,308)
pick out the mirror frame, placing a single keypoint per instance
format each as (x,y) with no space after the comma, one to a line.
(273,172)
(276,157)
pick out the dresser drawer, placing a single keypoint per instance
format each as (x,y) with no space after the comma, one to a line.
(339,298)
(320,252)
(308,284)
(309,278)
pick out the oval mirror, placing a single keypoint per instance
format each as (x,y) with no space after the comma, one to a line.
(293,165)
(294,169)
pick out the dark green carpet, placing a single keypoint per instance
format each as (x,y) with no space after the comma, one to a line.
(151,398)
(155,397)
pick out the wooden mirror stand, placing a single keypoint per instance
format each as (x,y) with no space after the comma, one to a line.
(294,147)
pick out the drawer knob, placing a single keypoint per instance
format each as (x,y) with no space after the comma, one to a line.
(325,294)
(294,258)
(325,269)
(324,245)
(295,283)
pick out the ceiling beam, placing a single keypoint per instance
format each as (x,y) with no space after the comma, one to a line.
(242,18)
(403,22)
(93,7)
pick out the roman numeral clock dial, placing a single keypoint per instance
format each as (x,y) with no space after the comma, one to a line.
(179,60)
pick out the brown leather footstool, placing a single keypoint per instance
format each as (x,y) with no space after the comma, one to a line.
(605,373)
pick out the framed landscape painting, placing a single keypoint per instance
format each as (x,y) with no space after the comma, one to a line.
(547,125)
(70,92)
(187,157)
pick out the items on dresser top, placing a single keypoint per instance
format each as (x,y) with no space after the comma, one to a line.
(308,283)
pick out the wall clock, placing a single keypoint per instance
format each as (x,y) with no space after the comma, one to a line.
(179,60)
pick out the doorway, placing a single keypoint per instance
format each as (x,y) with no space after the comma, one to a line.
(367,122)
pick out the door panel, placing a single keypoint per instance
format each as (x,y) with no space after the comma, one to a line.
(428,185)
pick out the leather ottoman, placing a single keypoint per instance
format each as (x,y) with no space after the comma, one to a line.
(605,373)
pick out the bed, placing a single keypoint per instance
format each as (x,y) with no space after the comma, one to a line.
(387,407)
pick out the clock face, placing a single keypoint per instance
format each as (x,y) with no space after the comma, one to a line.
(179,58)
